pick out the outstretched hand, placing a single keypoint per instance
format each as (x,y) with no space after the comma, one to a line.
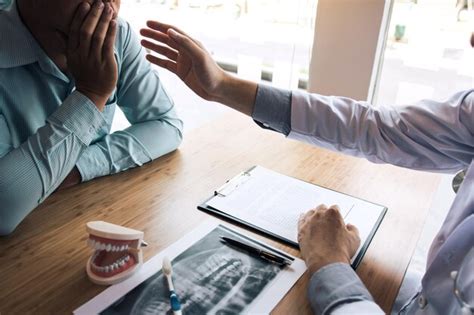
(185,57)
(324,238)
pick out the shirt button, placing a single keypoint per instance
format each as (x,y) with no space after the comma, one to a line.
(422,301)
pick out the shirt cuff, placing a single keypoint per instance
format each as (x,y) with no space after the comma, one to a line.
(80,115)
(272,109)
(334,285)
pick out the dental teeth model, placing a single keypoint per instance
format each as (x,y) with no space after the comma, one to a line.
(117,252)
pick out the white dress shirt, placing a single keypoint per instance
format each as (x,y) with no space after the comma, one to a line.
(431,136)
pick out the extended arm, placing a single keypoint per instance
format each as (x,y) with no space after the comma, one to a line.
(430,135)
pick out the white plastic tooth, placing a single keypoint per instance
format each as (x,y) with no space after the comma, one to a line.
(102,246)
(127,258)
(108,247)
(116,266)
(97,245)
(107,269)
(114,248)
(121,263)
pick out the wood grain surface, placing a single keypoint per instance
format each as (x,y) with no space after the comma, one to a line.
(42,264)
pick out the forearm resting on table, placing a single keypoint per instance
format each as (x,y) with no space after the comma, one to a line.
(31,172)
(23,185)
(336,289)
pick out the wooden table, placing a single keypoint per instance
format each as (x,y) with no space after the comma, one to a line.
(42,264)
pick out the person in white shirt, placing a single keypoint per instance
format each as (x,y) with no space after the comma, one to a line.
(429,135)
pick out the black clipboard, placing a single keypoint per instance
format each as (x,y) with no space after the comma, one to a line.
(241,178)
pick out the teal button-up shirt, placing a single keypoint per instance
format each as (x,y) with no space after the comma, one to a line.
(47,128)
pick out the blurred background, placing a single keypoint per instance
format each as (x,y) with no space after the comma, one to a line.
(426,53)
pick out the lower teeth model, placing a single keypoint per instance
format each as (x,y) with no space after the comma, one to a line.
(117,252)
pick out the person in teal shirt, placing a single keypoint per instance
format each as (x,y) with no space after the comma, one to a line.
(64,67)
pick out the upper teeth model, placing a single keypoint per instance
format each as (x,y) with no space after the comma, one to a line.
(117,252)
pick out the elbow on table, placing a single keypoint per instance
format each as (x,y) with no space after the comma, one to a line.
(6,229)
(13,210)
(6,224)
(179,137)
(178,126)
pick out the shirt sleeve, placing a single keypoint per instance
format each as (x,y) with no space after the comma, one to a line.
(5,137)
(32,171)
(336,289)
(272,109)
(429,135)
(155,127)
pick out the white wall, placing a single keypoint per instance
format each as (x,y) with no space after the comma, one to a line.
(348,41)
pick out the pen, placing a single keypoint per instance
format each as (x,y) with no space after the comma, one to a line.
(257,251)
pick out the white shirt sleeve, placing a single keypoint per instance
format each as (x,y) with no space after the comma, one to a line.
(429,135)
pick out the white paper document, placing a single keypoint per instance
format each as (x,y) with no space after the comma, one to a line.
(273,202)
(209,276)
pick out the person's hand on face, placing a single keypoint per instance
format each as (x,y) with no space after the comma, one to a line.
(324,238)
(187,58)
(90,53)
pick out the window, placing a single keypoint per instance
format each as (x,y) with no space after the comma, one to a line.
(427,52)
(266,40)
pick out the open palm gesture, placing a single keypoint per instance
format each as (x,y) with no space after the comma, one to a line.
(185,57)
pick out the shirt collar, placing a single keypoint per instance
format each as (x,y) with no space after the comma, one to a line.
(19,47)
